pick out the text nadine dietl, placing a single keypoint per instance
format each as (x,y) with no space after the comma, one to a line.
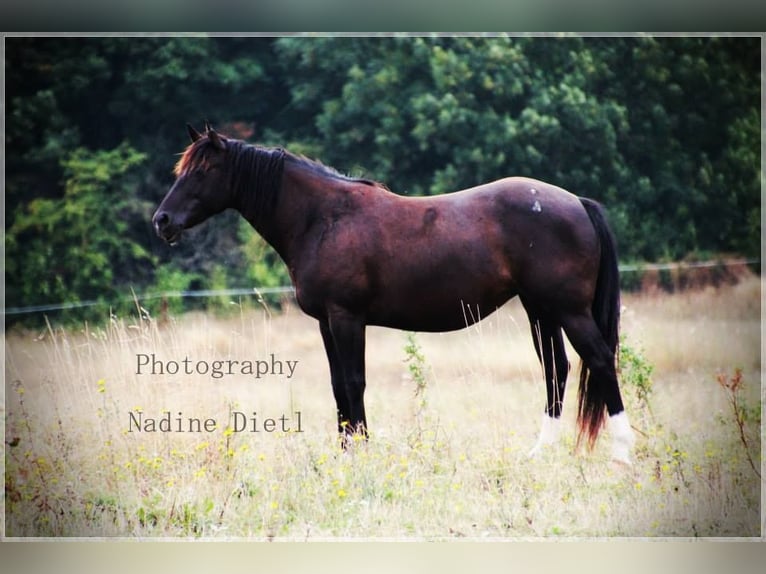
(238,422)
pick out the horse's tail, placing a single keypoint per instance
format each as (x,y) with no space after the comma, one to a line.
(606,314)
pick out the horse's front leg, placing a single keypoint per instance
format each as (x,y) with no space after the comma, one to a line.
(336,377)
(347,336)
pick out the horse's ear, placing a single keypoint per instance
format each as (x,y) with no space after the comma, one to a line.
(216,140)
(193,134)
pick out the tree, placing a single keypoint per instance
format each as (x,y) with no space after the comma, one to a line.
(80,246)
(651,127)
(79,106)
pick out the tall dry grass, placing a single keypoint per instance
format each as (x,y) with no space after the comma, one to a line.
(450,462)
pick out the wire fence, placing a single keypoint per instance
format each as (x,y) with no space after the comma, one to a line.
(684,265)
(259,292)
(149,296)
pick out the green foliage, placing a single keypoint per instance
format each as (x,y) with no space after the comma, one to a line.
(220,304)
(82,245)
(420,374)
(169,280)
(635,372)
(664,131)
(417,366)
(263,264)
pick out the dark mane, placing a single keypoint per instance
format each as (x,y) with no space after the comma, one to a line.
(326,170)
(256,174)
(195,156)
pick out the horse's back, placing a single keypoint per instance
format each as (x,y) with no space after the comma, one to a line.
(524,192)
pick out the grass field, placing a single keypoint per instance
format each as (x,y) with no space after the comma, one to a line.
(448,461)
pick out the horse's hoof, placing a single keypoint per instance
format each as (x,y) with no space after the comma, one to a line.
(622,462)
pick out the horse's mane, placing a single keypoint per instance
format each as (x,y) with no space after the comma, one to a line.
(318,167)
(195,156)
(255,171)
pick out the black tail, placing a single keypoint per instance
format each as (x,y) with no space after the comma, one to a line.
(606,314)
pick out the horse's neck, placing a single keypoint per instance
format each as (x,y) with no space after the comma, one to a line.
(284,225)
(255,173)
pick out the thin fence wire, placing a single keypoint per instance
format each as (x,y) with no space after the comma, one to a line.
(260,291)
(149,296)
(683,265)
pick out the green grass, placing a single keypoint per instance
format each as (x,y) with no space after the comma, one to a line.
(447,453)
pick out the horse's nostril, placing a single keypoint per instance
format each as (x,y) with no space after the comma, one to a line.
(161,219)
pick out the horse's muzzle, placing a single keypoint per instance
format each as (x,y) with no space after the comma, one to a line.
(165,228)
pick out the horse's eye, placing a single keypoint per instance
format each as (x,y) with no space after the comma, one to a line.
(200,173)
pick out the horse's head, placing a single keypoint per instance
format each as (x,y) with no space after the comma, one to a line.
(201,188)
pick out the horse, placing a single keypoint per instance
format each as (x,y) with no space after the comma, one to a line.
(359,254)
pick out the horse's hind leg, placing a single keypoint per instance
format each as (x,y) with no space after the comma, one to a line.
(549,345)
(599,389)
(558,366)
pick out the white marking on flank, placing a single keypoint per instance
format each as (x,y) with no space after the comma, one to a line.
(536,207)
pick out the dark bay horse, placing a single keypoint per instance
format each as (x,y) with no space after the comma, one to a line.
(361,255)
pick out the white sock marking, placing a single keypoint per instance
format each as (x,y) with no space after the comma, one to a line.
(550,431)
(623,438)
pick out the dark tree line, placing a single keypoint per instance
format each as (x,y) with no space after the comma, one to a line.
(664,131)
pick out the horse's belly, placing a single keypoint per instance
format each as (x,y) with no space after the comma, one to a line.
(427,311)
